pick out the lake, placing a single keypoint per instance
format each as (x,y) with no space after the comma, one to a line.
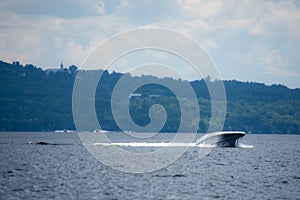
(58,166)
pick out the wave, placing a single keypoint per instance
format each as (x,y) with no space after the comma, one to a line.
(240,145)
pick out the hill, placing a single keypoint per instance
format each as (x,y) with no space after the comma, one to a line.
(36,100)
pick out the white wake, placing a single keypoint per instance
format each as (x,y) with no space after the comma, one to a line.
(240,145)
(164,144)
(158,144)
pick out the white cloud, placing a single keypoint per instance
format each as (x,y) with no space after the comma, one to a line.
(263,34)
(272,70)
(273,58)
(200,9)
(56,8)
(74,53)
(278,68)
(210,44)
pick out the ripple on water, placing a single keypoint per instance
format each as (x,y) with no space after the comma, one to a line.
(64,169)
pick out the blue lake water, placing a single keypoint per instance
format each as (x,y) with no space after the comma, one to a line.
(64,169)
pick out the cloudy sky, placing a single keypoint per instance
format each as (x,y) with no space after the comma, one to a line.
(248,40)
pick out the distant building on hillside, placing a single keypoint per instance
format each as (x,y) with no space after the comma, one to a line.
(135,95)
(139,95)
(61,68)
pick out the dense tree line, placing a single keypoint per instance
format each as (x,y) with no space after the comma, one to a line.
(36,100)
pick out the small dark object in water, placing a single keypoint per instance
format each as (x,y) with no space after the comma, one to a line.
(44,143)
(179,175)
(48,143)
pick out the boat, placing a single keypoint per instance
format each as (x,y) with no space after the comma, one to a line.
(64,131)
(222,138)
(61,131)
(100,131)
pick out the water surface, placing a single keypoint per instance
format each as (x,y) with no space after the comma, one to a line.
(57,165)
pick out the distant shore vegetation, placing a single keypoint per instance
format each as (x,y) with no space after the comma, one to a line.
(33,99)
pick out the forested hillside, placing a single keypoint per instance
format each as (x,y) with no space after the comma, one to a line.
(35,100)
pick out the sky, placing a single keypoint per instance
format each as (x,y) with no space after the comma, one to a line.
(248,40)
